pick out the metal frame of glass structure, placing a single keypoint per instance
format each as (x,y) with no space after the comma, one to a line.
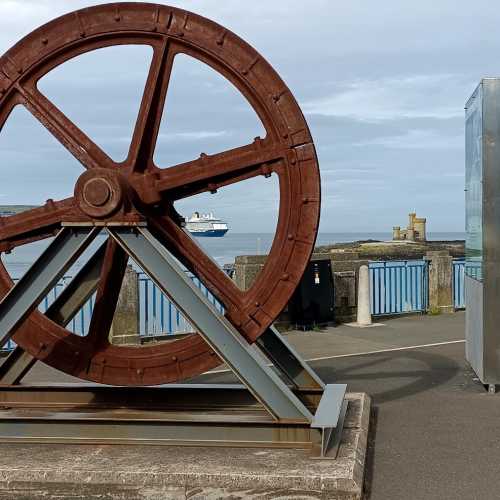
(482,196)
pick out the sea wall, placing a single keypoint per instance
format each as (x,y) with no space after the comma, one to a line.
(346,259)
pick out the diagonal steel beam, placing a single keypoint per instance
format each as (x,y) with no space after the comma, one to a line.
(288,361)
(108,291)
(216,330)
(42,276)
(19,362)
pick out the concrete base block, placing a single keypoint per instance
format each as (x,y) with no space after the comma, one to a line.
(160,472)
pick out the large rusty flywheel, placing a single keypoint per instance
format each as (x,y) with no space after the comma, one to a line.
(138,191)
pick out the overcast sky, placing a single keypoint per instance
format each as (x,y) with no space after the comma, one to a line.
(382,84)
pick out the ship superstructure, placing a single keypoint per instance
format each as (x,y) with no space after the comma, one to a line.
(206,225)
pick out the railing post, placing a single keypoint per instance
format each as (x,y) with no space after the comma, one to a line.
(125,327)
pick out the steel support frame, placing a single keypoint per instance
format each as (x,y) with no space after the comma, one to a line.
(174,414)
(287,415)
(42,276)
(62,310)
(216,330)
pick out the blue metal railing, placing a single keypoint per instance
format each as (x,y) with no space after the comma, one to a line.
(459,284)
(158,315)
(461,268)
(399,287)
(78,325)
(474,269)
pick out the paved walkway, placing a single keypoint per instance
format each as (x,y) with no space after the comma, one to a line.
(340,340)
(393,333)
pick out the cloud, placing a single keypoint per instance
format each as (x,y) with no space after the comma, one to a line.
(416,139)
(391,98)
(383,87)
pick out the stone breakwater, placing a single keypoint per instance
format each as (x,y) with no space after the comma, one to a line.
(395,250)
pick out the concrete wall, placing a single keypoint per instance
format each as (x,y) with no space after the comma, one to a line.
(345,265)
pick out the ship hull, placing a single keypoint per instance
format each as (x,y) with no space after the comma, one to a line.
(209,233)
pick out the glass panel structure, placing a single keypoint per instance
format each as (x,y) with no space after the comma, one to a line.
(482,196)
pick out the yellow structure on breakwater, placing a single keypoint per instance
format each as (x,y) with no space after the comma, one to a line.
(414,232)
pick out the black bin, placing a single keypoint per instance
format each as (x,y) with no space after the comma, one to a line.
(312,304)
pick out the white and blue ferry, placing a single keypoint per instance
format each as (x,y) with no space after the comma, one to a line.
(206,225)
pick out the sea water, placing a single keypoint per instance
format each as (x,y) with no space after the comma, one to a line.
(223,250)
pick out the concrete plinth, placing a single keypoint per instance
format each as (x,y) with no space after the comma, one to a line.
(158,472)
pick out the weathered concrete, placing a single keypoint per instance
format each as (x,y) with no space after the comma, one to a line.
(246,269)
(125,327)
(440,281)
(364,316)
(156,472)
(345,269)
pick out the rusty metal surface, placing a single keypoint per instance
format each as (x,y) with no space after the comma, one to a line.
(174,397)
(138,191)
(189,414)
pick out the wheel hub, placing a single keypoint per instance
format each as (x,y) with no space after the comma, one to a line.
(96,192)
(100,192)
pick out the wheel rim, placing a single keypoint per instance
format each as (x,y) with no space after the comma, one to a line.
(287,150)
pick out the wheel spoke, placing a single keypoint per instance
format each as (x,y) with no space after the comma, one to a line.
(151,111)
(32,225)
(7,107)
(108,291)
(184,248)
(208,173)
(64,130)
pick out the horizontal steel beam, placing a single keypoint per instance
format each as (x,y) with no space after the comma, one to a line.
(21,426)
(177,414)
(188,414)
(168,397)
